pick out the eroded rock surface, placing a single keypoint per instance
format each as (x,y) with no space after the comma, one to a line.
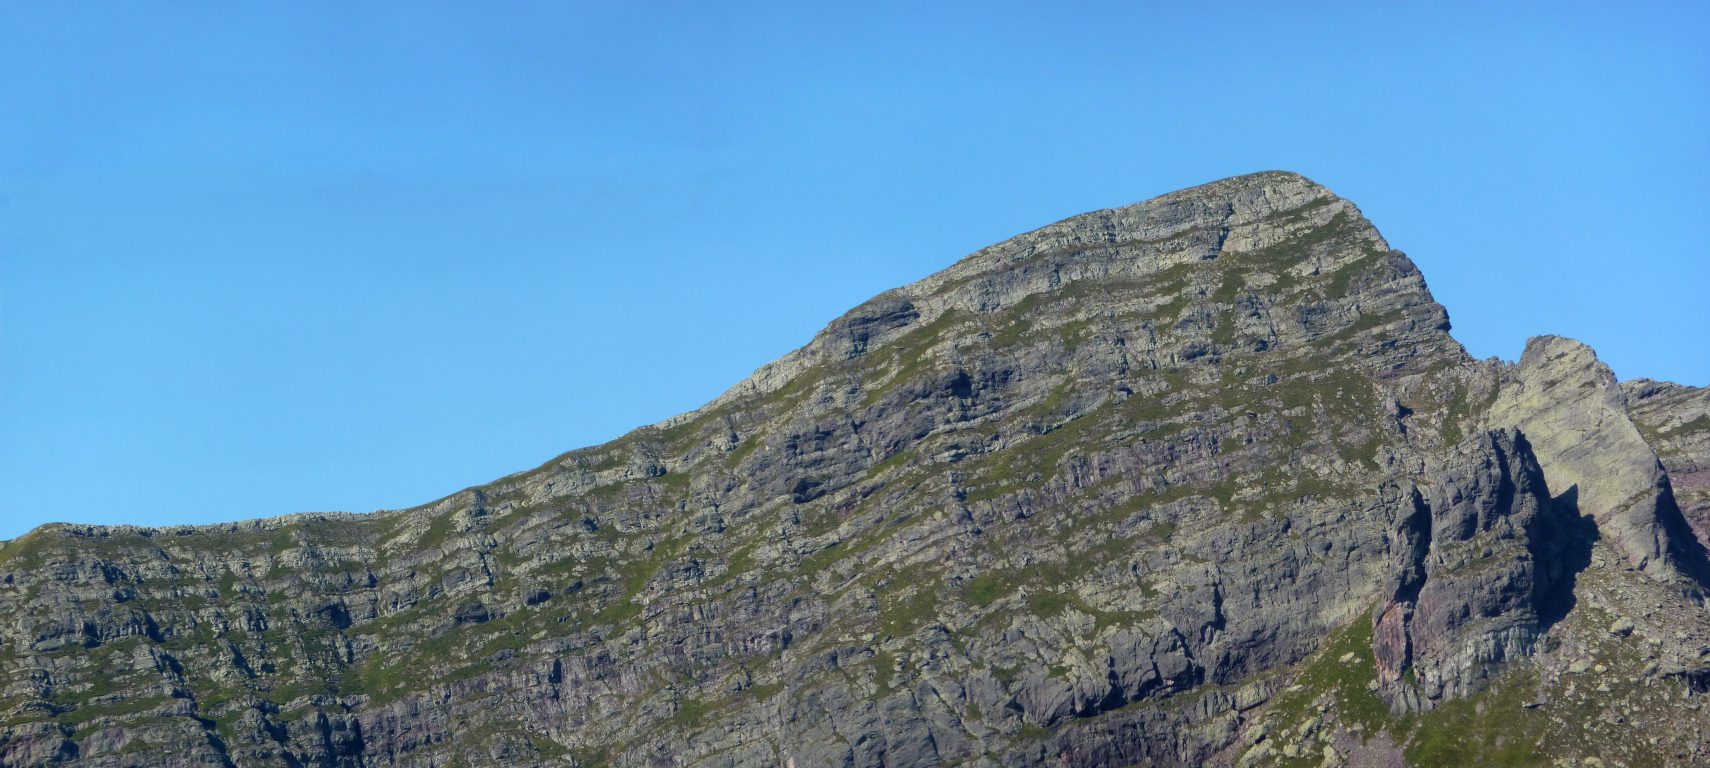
(1202,480)
(1480,556)
(1675,420)
(1575,415)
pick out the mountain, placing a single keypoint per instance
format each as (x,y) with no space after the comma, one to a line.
(1201,480)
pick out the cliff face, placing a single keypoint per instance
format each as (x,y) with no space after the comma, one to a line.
(1571,408)
(1675,421)
(1202,479)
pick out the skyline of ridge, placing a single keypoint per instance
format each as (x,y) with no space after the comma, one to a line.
(263,260)
(968,264)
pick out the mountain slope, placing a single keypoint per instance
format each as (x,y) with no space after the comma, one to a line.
(1675,420)
(1199,479)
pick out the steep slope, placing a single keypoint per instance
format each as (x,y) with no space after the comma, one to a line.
(1199,479)
(1675,421)
(1575,414)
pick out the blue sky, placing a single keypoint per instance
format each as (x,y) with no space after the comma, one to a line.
(313,256)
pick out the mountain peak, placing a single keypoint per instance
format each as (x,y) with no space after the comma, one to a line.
(1276,233)
(1198,480)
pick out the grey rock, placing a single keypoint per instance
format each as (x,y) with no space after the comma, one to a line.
(1470,592)
(1095,495)
(1675,421)
(1574,413)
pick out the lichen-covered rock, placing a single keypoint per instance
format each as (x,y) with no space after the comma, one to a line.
(1675,420)
(1192,481)
(1575,415)
(1480,555)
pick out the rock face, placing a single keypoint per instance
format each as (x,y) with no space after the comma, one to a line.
(1675,420)
(1478,556)
(1202,480)
(1575,414)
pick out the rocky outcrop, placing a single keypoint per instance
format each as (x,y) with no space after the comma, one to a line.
(1479,554)
(1675,420)
(1570,407)
(1164,484)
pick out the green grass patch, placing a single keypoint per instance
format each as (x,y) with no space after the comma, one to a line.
(910,603)
(1491,729)
(1700,424)
(1230,287)
(1344,683)
(984,589)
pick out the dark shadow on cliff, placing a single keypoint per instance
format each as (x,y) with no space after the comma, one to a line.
(1684,546)
(1567,552)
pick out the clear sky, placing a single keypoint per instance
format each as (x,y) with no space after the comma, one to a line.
(265,258)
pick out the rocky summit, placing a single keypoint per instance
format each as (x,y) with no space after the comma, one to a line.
(1199,481)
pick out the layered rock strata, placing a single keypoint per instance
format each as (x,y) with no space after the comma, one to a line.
(1202,479)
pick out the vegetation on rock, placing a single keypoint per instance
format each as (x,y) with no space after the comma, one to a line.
(1199,480)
